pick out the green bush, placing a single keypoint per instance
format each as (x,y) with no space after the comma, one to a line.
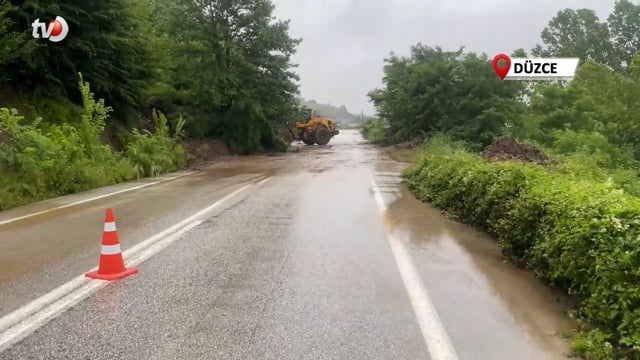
(54,106)
(582,235)
(583,166)
(373,130)
(155,153)
(39,162)
(594,145)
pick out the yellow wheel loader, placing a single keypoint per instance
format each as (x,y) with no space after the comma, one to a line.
(315,129)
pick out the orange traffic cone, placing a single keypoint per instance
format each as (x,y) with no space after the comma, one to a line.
(111,265)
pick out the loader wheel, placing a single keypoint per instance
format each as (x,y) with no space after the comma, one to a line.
(322,135)
(308,140)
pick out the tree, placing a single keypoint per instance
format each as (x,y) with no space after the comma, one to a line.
(232,67)
(577,33)
(445,91)
(624,25)
(9,40)
(107,42)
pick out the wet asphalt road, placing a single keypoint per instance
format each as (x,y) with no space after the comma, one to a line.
(297,267)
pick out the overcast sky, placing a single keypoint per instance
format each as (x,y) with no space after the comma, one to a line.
(345,41)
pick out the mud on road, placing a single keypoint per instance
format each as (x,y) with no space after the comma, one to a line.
(298,268)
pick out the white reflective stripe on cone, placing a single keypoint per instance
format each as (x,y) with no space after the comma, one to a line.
(109,226)
(111,249)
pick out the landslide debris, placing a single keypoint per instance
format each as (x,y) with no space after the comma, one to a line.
(507,148)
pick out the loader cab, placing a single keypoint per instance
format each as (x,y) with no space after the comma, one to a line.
(307,114)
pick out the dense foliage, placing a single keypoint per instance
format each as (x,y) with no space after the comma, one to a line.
(223,65)
(227,69)
(373,129)
(457,92)
(216,68)
(39,161)
(575,219)
(454,92)
(580,234)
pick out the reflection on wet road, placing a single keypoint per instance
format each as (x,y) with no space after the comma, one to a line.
(299,267)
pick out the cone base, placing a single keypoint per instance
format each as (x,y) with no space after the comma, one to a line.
(109,277)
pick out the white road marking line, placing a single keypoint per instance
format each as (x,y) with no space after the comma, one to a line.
(377,195)
(24,328)
(145,254)
(31,323)
(434,333)
(23,321)
(8,221)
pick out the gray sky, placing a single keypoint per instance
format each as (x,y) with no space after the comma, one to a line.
(345,41)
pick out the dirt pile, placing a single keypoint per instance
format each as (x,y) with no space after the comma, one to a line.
(206,150)
(507,148)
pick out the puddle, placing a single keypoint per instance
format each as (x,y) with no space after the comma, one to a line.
(473,260)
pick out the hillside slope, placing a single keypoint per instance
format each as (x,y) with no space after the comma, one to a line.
(340,114)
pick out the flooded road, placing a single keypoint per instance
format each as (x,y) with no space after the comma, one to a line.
(322,254)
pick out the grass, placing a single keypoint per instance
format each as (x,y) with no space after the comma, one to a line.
(404,155)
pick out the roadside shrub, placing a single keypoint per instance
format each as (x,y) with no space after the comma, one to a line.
(241,135)
(594,145)
(594,343)
(581,235)
(41,162)
(54,106)
(269,139)
(581,166)
(373,130)
(155,153)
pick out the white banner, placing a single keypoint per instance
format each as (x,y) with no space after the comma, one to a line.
(535,68)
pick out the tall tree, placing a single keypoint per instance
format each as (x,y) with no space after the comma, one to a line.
(107,42)
(9,40)
(234,59)
(445,91)
(577,33)
(624,25)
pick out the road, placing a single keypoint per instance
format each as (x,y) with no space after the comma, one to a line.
(319,254)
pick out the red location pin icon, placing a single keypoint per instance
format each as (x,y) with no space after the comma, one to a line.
(502,71)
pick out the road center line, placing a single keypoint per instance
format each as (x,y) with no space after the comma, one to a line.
(23,321)
(433,331)
(8,221)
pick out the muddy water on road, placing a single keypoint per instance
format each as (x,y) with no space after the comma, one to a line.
(471,284)
(40,253)
(492,283)
(481,299)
